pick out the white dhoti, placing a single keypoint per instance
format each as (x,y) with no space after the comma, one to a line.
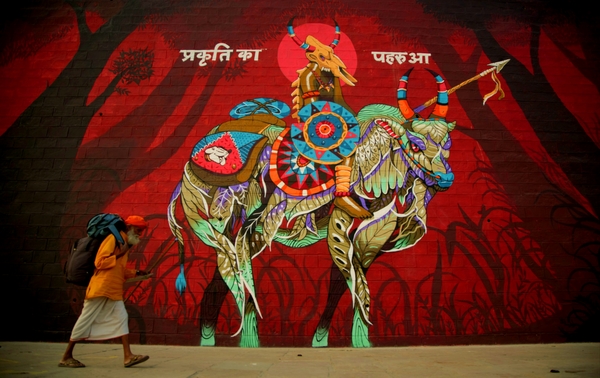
(101,319)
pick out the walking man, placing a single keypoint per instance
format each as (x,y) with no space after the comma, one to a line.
(104,316)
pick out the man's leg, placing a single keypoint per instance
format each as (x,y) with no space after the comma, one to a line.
(126,348)
(67,358)
(80,332)
(130,359)
(69,352)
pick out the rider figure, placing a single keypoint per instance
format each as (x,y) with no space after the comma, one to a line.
(320,81)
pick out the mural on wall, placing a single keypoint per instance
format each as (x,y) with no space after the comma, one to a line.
(286,206)
(254,181)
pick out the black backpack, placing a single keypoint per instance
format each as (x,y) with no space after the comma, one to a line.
(79,267)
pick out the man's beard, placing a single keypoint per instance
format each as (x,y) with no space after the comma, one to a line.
(132,237)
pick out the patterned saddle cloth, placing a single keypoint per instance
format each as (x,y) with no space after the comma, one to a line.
(303,157)
(295,174)
(227,157)
(222,159)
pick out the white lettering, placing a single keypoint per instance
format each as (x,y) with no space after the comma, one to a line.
(391,58)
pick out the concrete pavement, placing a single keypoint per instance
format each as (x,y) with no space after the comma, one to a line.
(18,359)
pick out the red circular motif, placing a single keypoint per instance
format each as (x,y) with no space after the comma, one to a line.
(325,129)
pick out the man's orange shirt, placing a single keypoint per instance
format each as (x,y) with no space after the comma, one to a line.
(110,273)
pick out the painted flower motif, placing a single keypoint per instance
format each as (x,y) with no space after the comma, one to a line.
(325,129)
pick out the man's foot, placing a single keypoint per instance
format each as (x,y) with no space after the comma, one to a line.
(71,363)
(350,206)
(135,359)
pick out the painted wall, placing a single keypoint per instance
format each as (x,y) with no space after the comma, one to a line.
(104,105)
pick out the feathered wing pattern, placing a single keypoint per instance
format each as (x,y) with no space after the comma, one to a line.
(221,208)
(192,182)
(375,172)
(401,174)
(373,233)
(252,232)
(273,215)
(299,229)
(244,258)
(368,156)
(229,268)
(309,239)
(253,198)
(412,223)
(318,231)
(192,201)
(362,292)
(309,204)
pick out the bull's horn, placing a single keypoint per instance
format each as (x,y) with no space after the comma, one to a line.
(405,109)
(292,34)
(441,107)
(338,33)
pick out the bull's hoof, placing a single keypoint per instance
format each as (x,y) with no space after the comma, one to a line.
(321,338)
(208,335)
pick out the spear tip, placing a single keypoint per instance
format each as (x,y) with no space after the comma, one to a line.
(499,65)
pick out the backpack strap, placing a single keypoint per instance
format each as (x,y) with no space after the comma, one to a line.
(116,233)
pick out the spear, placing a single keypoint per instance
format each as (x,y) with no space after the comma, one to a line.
(495,68)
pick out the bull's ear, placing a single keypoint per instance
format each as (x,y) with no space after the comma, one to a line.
(311,57)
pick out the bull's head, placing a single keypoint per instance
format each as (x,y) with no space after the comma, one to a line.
(426,140)
(323,55)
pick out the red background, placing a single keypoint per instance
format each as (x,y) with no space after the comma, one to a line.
(511,252)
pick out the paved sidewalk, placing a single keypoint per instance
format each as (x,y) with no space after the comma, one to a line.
(18,359)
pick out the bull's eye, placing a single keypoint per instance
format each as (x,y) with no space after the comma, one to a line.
(414,147)
(322,57)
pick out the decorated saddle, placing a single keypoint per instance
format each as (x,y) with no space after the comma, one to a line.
(222,158)
(303,157)
(226,157)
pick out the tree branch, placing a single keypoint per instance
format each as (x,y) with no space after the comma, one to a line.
(583,65)
(101,99)
(84,30)
(534,49)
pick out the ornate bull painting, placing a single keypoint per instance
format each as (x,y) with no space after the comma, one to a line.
(360,182)
(315,173)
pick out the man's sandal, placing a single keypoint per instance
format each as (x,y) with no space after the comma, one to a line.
(71,363)
(136,359)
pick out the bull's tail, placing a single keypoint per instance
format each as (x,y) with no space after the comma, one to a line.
(180,283)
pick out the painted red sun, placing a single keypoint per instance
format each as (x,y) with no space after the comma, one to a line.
(291,57)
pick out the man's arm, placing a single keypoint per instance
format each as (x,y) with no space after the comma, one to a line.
(106,257)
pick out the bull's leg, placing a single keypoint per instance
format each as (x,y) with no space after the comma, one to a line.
(360,322)
(250,327)
(210,307)
(227,266)
(360,331)
(342,253)
(234,265)
(369,238)
(337,287)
